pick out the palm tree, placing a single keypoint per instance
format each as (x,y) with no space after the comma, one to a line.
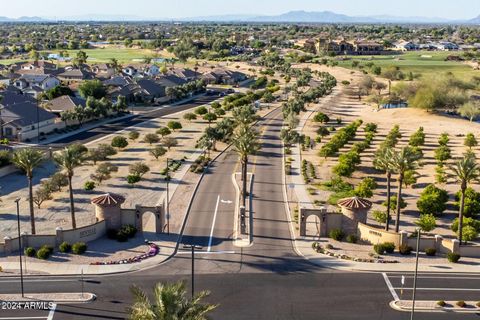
(27,160)
(383,162)
(465,171)
(403,161)
(245,142)
(170,302)
(68,160)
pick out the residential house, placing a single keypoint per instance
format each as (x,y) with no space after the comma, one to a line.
(103,71)
(34,84)
(151,71)
(36,67)
(406,46)
(151,90)
(24,121)
(4,81)
(130,71)
(186,74)
(367,48)
(170,80)
(64,103)
(447,46)
(223,76)
(72,75)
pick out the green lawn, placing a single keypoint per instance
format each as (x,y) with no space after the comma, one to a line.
(427,63)
(123,55)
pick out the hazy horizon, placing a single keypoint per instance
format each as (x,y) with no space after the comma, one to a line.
(445,9)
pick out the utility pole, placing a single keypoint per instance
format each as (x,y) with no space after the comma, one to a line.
(415,276)
(19,244)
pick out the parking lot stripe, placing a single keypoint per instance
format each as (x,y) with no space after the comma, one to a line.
(52,312)
(390,287)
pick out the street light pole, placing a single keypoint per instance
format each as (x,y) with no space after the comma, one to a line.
(415,276)
(19,244)
(167,177)
(193,247)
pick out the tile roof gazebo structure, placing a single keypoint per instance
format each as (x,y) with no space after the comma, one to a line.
(108,208)
(354,210)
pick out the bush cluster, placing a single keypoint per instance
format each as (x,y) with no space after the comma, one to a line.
(342,137)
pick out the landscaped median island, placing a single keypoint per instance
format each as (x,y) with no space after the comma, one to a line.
(460,306)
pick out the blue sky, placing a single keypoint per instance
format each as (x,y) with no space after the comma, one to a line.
(453,9)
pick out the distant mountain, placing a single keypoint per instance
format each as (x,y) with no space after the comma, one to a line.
(220,18)
(21,19)
(475,20)
(312,17)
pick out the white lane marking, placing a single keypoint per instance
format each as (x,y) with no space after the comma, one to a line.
(41,280)
(226,201)
(206,252)
(390,287)
(440,289)
(22,318)
(213,225)
(52,312)
(430,277)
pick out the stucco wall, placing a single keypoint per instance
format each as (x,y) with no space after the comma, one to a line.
(376,235)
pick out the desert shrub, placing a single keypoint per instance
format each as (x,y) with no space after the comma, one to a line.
(151,138)
(328,246)
(461,304)
(89,185)
(336,234)
(430,252)
(119,142)
(370,127)
(352,238)
(418,138)
(43,253)
(30,251)
(65,247)
(365,188)
(121,236)
(453,257)
(379,248)
(389,247)
(405,249)
(79,247)
(129,230)
(441,303)
(133,135)
(426,222)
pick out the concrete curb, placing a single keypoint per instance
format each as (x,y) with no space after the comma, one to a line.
(433,308)
(71,297)
(238,241)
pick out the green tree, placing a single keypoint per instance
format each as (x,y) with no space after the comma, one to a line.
(245,142)
(151,138)
(471,202)
(426,222)
(157,152)
(210,117)
(321,117)
(170,302)
(27,160)
(92,88)
(418,138)
(365,188)
(384,162)
(119,142)
(138,169)
(174,125)
(402,161)
(68,160)
(169,142)
(164,131)
(470,141)
(432,201)
(201,110)
(189,116)
(465,171)
(444,139)
(103,172)
(470,110)
(133,135)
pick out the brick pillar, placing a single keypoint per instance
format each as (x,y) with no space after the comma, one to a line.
(58,235)
(455,246)
(438,242)
(403,238)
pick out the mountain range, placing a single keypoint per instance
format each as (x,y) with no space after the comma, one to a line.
(299,16)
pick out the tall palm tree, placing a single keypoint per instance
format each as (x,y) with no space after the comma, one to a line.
(27,160)
(169,302)
(403,161)
(383,161)
(245,142)
(465,171)
(68,160)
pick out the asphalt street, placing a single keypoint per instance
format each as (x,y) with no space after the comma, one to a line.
(265,281)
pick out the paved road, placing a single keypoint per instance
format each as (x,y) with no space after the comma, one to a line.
(95,133)
(265,281)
